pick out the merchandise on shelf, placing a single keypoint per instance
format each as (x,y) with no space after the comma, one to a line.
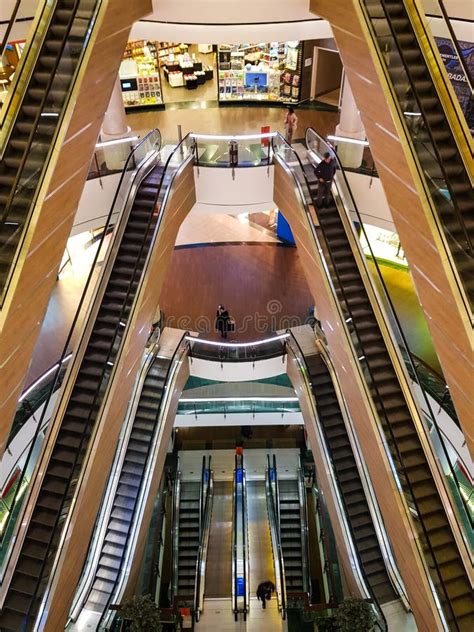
(260,72)
(139,74)
(185,70)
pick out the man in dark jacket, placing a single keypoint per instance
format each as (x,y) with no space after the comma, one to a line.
(264,592)
(325,172)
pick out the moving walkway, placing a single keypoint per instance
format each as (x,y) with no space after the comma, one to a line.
(191,524)
(442,152)
(389,393)
(45,83)
(91,373)
(112,544)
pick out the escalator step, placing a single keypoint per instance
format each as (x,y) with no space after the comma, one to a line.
(29,567)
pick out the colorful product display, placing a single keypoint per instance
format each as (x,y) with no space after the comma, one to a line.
(140,76)
(260,72)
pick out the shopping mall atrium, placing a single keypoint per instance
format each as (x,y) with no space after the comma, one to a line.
(236,309)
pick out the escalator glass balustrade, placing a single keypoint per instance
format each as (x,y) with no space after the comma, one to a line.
(388,389)
(33,117)
(446,169)
(83,396)
(112,544)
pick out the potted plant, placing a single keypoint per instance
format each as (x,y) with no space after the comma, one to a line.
(354,615)
(141,614)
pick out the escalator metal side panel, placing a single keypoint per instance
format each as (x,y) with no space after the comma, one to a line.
(386,406)
(75,367)
(71,374)
(288,194)
(97,541)
(177,375)
(421,431)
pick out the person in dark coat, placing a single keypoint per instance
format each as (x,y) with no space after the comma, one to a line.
(264,592)
(222,321)
(325,173)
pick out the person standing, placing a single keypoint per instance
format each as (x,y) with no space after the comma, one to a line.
(325,173)
(222,320)
(291,123)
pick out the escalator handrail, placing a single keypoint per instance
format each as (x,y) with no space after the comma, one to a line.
(180,352)
(86,301)
(346,527)
(95,545)
(304,530)
(234,541)
(321,516)
(205,527)
(389,315)
(175,535)
(422,110)
(301,193)
(245,543)
(239,465)
(278,561)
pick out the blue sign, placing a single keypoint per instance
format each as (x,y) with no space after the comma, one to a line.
(239,475)
(240,586)
(284,230)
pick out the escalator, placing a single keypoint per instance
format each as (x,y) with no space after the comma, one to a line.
(191,521)
(240,543)
(349,482)
(441,550)
(412,69)
(54,55)
(127,482)
(292,527)
(83,395)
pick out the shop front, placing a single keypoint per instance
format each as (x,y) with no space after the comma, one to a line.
(154,73)
(260,72)
(157,73)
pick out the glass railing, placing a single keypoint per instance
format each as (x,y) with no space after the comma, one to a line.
(273,508)
(237,351)
(205,507)
(16,84)
(36,395)
(117,590)
(442,28)
(438,459)
(442,165)
(319,147)
(18,11)
(251,150)
(242,405)
(110,157)
(328,550)
(148,147)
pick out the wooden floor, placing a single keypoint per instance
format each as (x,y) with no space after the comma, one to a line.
(262,286)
